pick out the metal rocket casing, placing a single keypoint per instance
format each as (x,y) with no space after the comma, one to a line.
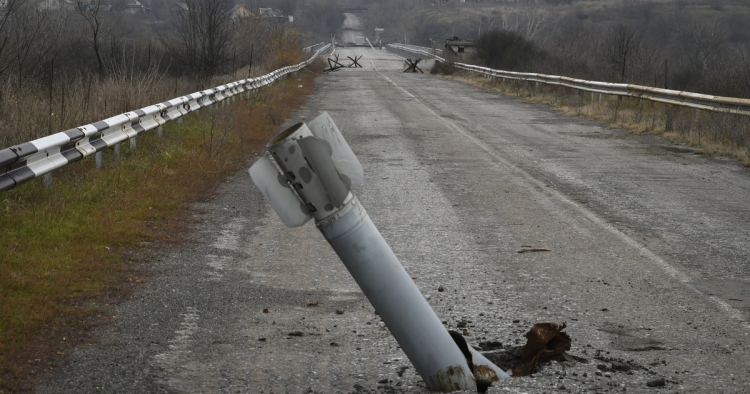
(308,174)
(316,169)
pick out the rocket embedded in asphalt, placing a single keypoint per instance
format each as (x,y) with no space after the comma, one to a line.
(308,174)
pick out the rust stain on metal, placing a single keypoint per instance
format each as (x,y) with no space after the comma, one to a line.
(484,376)
(450,379)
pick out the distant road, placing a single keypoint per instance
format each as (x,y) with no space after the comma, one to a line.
(648,262)
(352,31)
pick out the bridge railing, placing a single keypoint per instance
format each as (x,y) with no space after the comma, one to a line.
(700,101)
(24,162)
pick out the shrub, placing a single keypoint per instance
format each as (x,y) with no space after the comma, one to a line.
(506,50)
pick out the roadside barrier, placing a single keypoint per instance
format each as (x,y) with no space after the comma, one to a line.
(24,162)
(699,101)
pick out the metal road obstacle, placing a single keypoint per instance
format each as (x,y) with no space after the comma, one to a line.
(413,66)
(308,174)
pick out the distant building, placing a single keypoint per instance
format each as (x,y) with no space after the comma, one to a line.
(274,15)
(237,12)
(87,6)
(135,7)
(240,12)
(49,4)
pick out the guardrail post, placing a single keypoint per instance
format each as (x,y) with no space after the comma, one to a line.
(179,120)
(160,130)
(117,150)
(133,142)
(600,98)
(98,160)
(48,180)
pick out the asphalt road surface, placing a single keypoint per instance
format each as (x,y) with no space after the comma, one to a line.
(648,263)
(351,33)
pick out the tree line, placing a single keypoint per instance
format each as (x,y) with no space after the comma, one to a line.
(186,37)
(70,64)
(701,46)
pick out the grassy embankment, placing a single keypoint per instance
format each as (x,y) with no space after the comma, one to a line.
(713,134)
(70,249)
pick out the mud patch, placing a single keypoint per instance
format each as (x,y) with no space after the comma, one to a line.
(632,339)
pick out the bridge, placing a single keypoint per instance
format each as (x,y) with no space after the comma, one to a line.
(504,213)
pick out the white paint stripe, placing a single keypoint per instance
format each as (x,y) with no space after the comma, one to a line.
(229,237)
(658,261)
(178,346)
(217,264)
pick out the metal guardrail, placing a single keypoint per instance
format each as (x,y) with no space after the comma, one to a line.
(314,47)
(700,101)
(24,162)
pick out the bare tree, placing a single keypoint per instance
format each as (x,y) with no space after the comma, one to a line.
(616,46)
(27,41)
(487,21)
(90,12)
(646,64)
(322,17)
(203,35)
(6,13)
(505,50)
(510,21)
(529,21)
(34,41)
(701,41)
(535,18)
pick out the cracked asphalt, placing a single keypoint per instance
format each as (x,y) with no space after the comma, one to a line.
(648,261)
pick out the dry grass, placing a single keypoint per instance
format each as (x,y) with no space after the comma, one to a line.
(38,109)
(68,250)
(713,133)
